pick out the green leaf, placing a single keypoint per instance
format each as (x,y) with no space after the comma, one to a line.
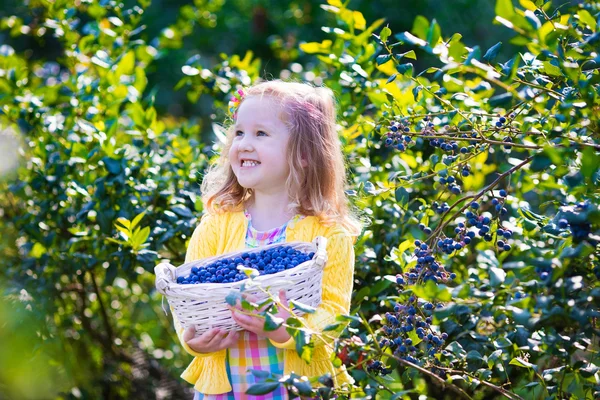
(383,58)
(432,291)
(456,349)
(334,326)
(140,237)
(402,196)
(125,222)
(405,69)
(590,162)
(505,9)
(303,307)
(348,318)
(137,219)
(232,297)
(408,54)
(399,394)
(126,64)
(552,69)
(380,286)
(260,374)
(475,53)
(409,38)
(497,276)
(531,216)
(587,19)
(414,337)
(272,322)
(532,19)
(259,389)
(385,34)
(304,347)
(520,363)
(420,27)
(434,33)
(492,52)
(113,166)
(316,47)
(502,343)
(304,387)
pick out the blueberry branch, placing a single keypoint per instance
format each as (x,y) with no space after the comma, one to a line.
(436,378)
(458,138)
(440,381)
(453,166)
(479,72)
(499,389)
(444,101)
(442,225)
(560,96)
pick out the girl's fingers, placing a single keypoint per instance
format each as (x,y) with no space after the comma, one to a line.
(217,339)
(189,334)
(209,335)
(283,297)
(231,339)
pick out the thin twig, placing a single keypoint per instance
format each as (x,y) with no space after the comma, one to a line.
(499,389)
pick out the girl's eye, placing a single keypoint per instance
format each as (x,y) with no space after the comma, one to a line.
(258,133)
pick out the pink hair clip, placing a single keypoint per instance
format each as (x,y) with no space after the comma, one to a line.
(235,101)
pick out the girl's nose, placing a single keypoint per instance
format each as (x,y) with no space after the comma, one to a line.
(245,143)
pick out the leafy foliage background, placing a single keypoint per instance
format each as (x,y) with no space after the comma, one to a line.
(109,114)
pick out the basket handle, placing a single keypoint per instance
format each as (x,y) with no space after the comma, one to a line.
(165,275)
(321,253)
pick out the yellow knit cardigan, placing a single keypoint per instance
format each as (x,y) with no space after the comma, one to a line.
(222,233)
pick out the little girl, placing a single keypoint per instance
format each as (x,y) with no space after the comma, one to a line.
(280,178)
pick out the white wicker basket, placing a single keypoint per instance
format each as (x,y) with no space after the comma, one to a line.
(203,305)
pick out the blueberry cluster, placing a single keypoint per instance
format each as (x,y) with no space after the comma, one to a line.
(266,262)
(396,137)
(427,268)
(427,230)
(446,145)
(500,123)
(576,221)
(440,208)
(450,181)
(475,224)
(401,327)
(544,271)
(377,367)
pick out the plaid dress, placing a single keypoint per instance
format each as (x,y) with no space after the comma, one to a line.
(253,352)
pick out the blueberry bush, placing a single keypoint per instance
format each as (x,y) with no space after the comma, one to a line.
(477,276)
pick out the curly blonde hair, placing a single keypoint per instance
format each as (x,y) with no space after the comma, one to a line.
(317,189)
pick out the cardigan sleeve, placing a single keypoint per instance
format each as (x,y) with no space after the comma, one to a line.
(338,279)
(202,244)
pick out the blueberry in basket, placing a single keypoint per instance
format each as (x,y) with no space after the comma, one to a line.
(267,262)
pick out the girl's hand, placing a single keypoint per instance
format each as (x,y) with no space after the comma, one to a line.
(214,339)
(256,324)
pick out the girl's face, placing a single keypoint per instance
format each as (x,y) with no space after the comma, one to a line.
(262,137)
